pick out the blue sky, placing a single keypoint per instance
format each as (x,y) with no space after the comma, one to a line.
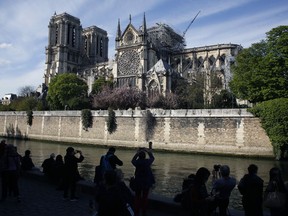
(24,27)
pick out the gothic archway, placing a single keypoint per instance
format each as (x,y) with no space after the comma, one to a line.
(153,89)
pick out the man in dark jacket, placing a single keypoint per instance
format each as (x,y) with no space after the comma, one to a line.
(26,161)
(71,173)
(48,166)
(251,187)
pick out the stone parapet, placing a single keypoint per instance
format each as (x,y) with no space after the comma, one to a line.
(212,131)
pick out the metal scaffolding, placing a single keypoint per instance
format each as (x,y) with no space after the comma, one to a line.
(164,38)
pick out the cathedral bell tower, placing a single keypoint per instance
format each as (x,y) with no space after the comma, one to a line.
(64,46)
(131,55)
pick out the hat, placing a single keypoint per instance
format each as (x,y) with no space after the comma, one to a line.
(52,155)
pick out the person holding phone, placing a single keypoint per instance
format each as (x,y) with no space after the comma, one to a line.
(144,178)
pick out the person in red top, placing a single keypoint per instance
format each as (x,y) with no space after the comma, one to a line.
(144,178)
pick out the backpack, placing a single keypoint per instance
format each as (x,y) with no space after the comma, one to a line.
(185,197)
(105,163)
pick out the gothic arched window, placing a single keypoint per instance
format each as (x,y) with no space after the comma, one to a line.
(101,47)
(73,36)
(222,61)
(68,33)
(200,62)
(56,34)
(211,61)
(86,43)
(153,89)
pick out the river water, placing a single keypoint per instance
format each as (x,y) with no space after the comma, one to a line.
(169,168)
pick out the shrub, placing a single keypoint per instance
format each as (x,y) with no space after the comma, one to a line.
(87,119)
(274,119)
(119,98)
(111,121)
(150,125)
(29,117)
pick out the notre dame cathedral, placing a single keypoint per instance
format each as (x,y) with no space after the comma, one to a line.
(147,58)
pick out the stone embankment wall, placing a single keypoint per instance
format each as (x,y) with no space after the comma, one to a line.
(215,131)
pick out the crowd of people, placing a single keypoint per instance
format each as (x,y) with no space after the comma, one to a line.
(114,197)
(196,199)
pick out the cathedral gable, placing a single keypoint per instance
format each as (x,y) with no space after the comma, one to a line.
(130,35)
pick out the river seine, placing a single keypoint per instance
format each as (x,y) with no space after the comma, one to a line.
(169,168)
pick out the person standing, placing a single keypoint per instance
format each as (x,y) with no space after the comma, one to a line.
(111,198)
(58,172)
(108,162)
(48,166)
(3,146)
(26,161)
(10,173)
(276,183)
(144,179)
(201,201)
(222,189)
(251,188)
(71,174)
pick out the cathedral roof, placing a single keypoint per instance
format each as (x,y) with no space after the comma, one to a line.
(160,67)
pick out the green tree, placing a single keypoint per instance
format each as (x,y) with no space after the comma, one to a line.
(100,83)
(5,108)
(189,96)
(261,72)
(224,99)
(274,119)
(25,104)
(67,91)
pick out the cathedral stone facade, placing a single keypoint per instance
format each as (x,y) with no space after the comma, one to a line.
(146,58)
(70,47)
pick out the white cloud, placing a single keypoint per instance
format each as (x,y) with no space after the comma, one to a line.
(5,45)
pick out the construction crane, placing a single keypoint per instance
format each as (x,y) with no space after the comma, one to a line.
(190,24)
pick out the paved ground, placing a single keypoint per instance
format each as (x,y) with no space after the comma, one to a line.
(42,199)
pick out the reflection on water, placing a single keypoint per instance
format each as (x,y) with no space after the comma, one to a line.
(169,168)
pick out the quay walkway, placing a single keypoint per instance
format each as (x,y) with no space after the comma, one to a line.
(40,198)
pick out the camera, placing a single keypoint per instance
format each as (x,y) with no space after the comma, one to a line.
(217,167)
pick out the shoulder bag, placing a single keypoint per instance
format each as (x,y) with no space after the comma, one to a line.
(275,199)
